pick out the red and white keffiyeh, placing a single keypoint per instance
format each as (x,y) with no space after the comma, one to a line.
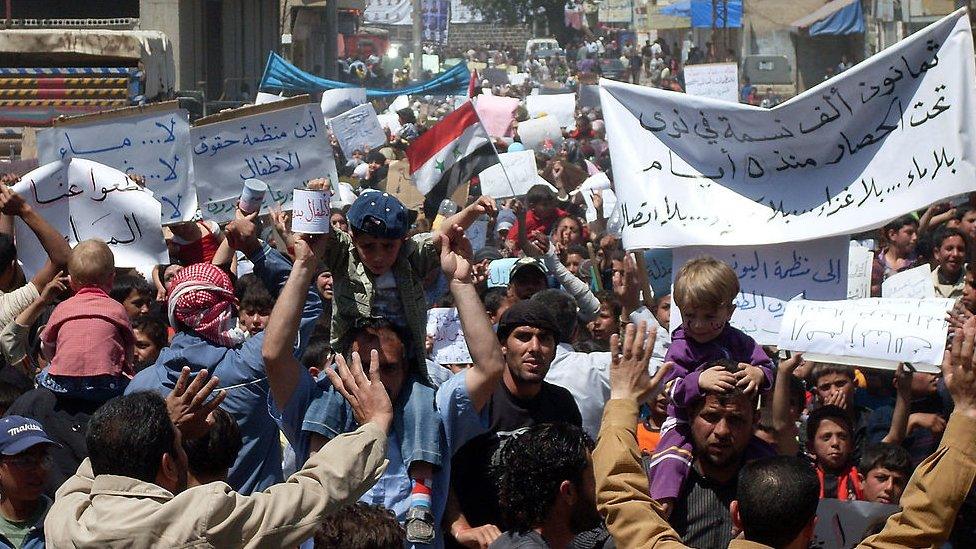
(201,297)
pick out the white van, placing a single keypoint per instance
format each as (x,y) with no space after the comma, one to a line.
(541,44)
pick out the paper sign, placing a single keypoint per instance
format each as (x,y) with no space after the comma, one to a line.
(339,100)
(431,62)
(562,106)
(82,199)
(263,98)
(496,114)
(400,102)
(285,147)
(151,143)
(540,134)
(609,202)
(770,276)
(390,121)
(477,233)
(845,524)
(872,332)
(514,176)
(518,79)
(500,271)
(357,129)
(399,184)
(914,283)
(444,325)
(659,269)
(311,212)
(888,136)
(859,263)
(715,80)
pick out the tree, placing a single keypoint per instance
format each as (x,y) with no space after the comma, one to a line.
(510,12)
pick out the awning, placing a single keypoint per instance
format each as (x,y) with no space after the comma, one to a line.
(826,11)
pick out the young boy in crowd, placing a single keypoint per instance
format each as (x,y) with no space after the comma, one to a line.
(255,303)
(829,440)
(379,273)
(543,212)
(901,236)
(884,472)
(834,384)
(88,338)
(704,289)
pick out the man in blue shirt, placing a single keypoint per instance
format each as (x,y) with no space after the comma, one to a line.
(460,402)
(239,367)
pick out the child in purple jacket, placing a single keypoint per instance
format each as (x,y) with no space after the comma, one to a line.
(704,290)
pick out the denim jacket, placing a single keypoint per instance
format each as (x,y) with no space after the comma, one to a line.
(353,289)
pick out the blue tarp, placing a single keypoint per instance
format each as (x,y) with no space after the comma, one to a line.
(701,13)
(280,75)
(679,9)
(847,20)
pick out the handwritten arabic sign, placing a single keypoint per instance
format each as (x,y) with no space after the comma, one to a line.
(151,143)
(283,146)
(444,325)
(912,284)
(873,332)
(859,263)
(715,80)
(82,199)
(357,129)
(770,276)
(887,136)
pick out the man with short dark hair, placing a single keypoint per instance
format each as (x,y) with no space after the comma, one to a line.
(132,490)
(24,465)
(528,334)
(930,504)
(554,460)
(777,498)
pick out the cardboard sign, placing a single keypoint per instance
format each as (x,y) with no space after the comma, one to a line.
(444,325)
(357,129)
(339,100)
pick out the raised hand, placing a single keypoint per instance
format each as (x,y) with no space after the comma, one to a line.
(188,407)
(959,372)
(11,203)
(456,256)
(630,357)
(242,233)
(56,287)
(366,395)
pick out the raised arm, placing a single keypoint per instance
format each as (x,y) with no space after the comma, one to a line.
(467,215)
(486,353)
(51,240)
(899,418)
(941,483)
(280,363)
(541,246)
(783,425)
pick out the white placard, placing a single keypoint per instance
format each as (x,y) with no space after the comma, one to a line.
(715,80)
(155,145)
(390,121)
(514,176)
(311,212)
(872,332)
(860,261)
(540,133)
(444,325)
(770,276)
(82,199)
(285,148)
(263,98)
(399,102)
(915,283)
(357,129)
(339,100)
(890,135)
(562,106)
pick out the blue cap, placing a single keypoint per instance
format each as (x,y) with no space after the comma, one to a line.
(19,433)
(380,215)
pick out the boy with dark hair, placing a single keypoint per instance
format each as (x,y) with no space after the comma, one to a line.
(900,236)
(884,472)
(209,457)
(361,526)
(834,384)
(542,212)
(150,339)
(829,440)
(255,303)
(134,293)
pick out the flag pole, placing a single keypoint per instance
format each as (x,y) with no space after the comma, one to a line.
(495,149)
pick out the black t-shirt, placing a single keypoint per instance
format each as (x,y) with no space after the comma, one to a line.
(65,420)
(471,471)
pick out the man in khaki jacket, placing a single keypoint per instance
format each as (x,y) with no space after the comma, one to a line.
(132,493)
(929,504)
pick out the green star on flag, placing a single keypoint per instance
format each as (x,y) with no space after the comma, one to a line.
(439,166)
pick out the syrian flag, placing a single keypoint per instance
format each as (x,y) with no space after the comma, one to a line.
(449,154)
(473,87)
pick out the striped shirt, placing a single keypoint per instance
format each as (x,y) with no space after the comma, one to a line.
(701,513)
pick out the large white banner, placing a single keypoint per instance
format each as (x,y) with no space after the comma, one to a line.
(150,142)
(770,276)
(872,332)
(284,147)
(82,199)
(892,134)
(715,80)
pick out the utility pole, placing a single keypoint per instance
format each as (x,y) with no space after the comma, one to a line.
(416,65)
(331,62)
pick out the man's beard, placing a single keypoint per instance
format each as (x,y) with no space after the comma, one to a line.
(584,516)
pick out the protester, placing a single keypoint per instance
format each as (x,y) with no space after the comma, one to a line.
(901,236)
(884,471)
(24,465)
(829,437)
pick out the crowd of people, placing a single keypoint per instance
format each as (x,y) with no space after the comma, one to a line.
(273,389)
